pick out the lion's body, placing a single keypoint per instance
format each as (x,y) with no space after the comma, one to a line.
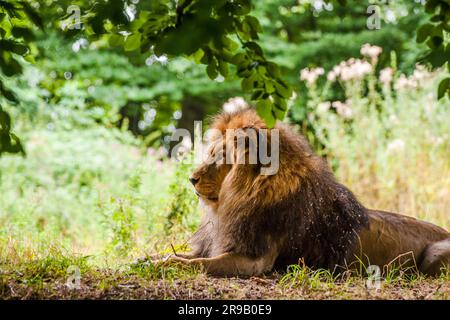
(403,241)
(254,223)
(321,230)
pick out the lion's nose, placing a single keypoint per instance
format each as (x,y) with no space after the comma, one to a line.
(193,180)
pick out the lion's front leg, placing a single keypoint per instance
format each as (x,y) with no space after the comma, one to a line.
(161,258)
(229,264)
(186,255)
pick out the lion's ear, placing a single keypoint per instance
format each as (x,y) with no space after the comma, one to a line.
(263,151)
(252,146)
(246,146)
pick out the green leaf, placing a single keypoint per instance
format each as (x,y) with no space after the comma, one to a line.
(32,14)
(254,23)
(283,90)
(5,121)
(211,69)
(435,37)
(273,69)
(243,70)
(264,110)
(279,114)
(198,56)
(247,84)
(116,40)
(279,103)
(9,142)
(10,68)
(431,5)
(238,58)
(132,42)
(230,44)
(270,88)
(21,32)
(207,56)
(434,42)
(423,32)
(257,94)
(249,28)
(242,7)
(8,94)
(444,86)
(29,58)
(254,47)
(14,46)
(437,57)
(223,68)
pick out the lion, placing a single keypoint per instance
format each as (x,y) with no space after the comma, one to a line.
(254,223)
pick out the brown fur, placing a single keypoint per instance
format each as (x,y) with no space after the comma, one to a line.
(254,223)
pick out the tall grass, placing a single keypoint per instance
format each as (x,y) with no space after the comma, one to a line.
(391,146)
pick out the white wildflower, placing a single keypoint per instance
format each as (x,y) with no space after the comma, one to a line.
(405,82)
(319,71)
(311,75)
(343,109)
(402,82)
(323,106)
(420,73)
(393,119)
(362,68)
(386,75)
(371,51)
(396,145)
(331,76)
(353,69)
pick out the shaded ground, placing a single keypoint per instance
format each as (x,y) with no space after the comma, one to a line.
(108,285)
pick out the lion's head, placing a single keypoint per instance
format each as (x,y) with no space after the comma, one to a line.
(237,145)
(247,160)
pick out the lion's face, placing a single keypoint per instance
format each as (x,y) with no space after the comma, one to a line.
(233,158)
(208,177)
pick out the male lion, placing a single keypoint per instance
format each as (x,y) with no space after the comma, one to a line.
(254,223)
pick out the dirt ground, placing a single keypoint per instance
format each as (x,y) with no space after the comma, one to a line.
(110,286)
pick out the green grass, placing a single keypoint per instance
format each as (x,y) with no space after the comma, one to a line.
(52,278)
(302,276)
